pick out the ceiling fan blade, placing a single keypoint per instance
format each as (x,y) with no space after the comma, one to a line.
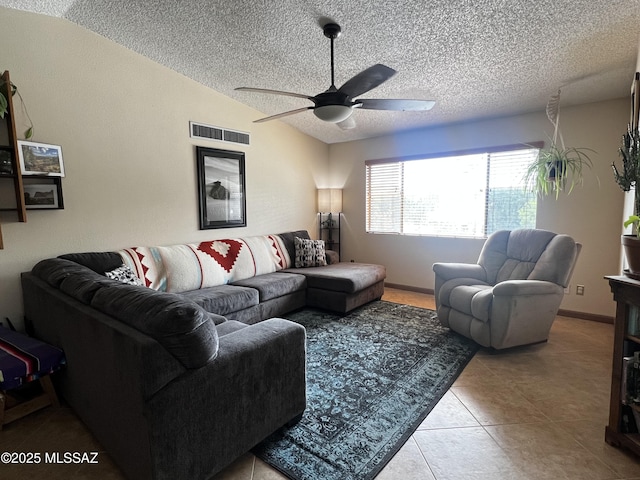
(367,80)
(283,114)
(395,104)
(347,124)
(275,92)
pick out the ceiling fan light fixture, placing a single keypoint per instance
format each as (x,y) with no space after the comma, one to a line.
(333,113)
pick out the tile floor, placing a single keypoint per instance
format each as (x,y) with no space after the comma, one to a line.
(534,413)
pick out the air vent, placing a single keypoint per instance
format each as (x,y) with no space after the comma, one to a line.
(200,130)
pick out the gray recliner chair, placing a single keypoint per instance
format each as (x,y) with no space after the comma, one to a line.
(512,295)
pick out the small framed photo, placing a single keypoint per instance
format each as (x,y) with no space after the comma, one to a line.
(40,159)
(42,196)
(221,188)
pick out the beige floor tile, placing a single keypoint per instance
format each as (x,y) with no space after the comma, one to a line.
(476,373)
(70,434)
(262,471)
(241,469)
(104,470)
(449,413)
(16,434)
(497,404)
(465,453)
(407,464)
(562,456)
(590,434)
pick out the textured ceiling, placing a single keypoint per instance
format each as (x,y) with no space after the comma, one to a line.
(475,58)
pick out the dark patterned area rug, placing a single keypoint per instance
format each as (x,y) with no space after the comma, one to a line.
(372,378)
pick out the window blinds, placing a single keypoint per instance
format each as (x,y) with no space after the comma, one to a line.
(469,194)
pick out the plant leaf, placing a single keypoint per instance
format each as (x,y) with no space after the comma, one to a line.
(3,105)
(631,219)
(28,133)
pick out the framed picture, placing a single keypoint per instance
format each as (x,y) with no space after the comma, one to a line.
(221,188)
(42,196)
(40,159)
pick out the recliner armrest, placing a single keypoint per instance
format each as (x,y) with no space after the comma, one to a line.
(455,270)
(525,287)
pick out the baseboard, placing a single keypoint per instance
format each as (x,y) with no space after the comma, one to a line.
(409,288)
(586,316)
(565,313)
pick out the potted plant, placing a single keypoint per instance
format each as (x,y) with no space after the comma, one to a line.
(4,106)
(557,168)
(628,178)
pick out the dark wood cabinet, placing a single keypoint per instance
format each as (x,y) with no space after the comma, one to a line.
(623,427)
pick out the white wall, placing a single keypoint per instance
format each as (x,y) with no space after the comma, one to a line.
(123,124)
(591,214)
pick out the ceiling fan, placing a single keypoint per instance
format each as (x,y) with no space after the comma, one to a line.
(336,105)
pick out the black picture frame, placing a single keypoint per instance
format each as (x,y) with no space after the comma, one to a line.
(43,195)
(221,188)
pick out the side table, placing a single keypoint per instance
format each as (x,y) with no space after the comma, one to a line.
(22,360)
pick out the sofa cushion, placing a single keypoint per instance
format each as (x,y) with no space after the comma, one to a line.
(288,240)
(274,285)
(309,253)
(179,325)
(474,300)
(347,277)
(55,270)
(84,284)
(224,299)
(99,262)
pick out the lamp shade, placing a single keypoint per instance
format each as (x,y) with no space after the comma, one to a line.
(330,200)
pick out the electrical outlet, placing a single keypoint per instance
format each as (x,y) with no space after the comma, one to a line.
(579,289)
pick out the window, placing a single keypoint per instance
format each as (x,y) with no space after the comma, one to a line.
(469,194)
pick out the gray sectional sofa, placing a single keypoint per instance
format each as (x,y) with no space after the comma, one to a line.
(175,381)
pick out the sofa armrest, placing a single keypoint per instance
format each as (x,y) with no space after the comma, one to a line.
(332,257)
(256,384)
(526,287)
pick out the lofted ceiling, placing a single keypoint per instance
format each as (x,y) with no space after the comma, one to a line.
(475,58)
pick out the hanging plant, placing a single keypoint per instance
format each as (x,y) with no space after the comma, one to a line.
(4,106)
(557,168)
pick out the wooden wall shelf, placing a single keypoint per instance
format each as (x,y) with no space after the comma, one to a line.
(12,149)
